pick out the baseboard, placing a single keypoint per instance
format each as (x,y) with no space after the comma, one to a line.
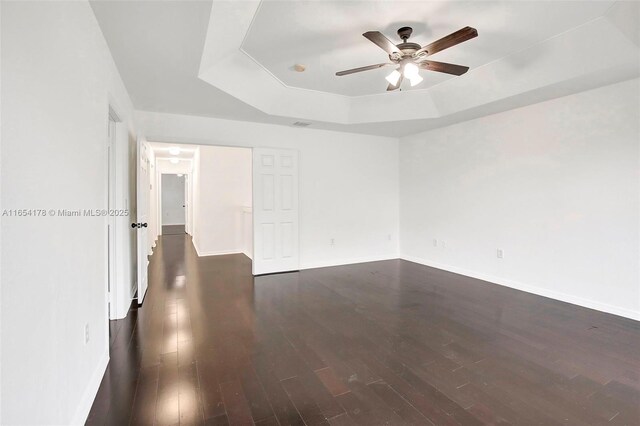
(350,261)
(219,253)
(90,392)
(214,253)
(540,291)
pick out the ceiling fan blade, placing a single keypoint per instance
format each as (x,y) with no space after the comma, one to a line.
(397,86)
(467,33)
(378,38)
(360,69)
(443,67)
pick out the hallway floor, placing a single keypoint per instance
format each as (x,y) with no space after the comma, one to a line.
(387,342)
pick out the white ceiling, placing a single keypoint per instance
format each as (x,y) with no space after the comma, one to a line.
(164,50)
(157,46)
(327,36)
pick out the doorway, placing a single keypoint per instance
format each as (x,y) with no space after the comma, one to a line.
(233,200)
(173,204)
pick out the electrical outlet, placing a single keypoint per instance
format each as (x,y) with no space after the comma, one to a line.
(443,244)
(332,242)
(86,334)
(435,242)
(500,253)
(389,237)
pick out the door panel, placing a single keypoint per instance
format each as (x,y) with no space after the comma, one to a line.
(275,210)
(143,218)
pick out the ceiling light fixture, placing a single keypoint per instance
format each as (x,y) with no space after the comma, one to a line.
(174,160)
(410,70)
(174,150)
(394,77)
(412,73)
(415,80)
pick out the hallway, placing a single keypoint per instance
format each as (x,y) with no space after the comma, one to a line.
(388,342)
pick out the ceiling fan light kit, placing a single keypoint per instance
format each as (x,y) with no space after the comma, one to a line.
(411,57)
(394,77)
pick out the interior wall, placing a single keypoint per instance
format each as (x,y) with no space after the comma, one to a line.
(555,185)
(348,183)
(173,199)
(58,81)
(224,191)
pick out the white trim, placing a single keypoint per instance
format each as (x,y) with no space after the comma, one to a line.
(533,289)
(218,253)
(350,261)
(213,253)
(91,390)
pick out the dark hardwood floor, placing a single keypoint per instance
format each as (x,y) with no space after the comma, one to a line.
(387,342)
(173,229)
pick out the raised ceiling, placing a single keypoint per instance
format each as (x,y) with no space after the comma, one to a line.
(327,36)
(234,59)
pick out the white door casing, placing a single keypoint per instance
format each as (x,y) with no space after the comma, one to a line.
(275,211)
(112,287)
(143,194)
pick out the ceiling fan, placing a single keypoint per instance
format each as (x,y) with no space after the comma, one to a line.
(411,57)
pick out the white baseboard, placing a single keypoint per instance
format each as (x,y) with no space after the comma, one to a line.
(91,390)
(350,261)
(219,253)
(214,253)
(540,291)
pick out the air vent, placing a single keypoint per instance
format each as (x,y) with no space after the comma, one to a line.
(301,124)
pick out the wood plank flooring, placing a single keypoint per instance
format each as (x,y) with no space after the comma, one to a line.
(173,229)
(382,343)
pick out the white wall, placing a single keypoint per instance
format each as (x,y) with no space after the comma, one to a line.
(555,185)
(173,199)
(58,80)
(224,188)
(348,182)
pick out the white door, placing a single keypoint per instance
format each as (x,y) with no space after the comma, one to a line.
(141,226)
(275,211)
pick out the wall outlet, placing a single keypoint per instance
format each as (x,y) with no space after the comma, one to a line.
(443,244)
(389,237)
(500,253)
(332,242)
(435,242)
(86,334)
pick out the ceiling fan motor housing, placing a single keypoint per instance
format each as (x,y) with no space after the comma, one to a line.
(405,33)
(405,47)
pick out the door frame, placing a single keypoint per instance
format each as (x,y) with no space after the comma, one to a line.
(142,260)
(159,186)
(111,253)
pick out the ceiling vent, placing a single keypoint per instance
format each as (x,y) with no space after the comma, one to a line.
(301,124)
